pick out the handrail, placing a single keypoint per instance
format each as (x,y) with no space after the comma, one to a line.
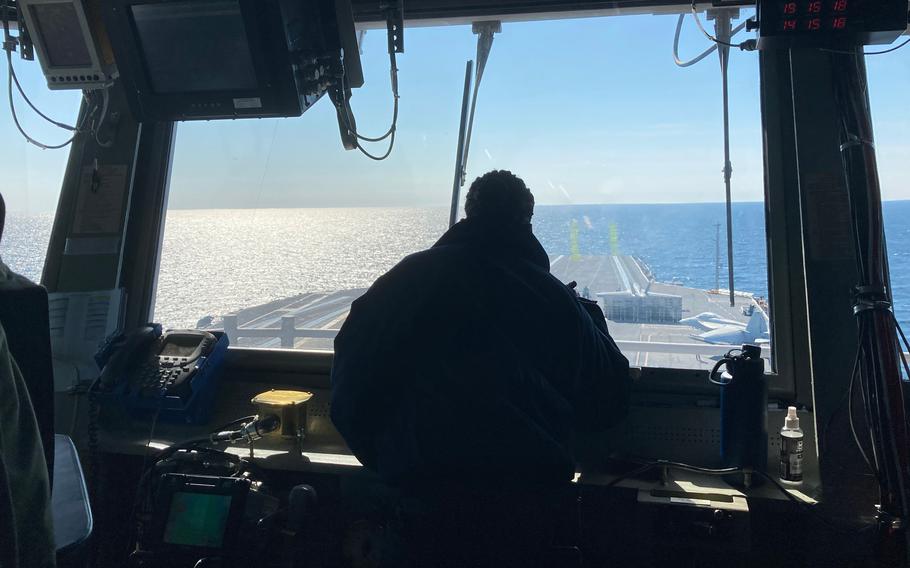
(288,333)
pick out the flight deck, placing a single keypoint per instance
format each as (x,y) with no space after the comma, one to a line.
(622,285)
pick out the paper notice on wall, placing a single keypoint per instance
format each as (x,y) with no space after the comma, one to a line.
(99,209)
(828,208)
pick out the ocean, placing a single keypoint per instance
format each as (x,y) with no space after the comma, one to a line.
(220,260)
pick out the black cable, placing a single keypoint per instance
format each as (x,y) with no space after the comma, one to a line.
(227,425)
(12,108)
(854,139)
(674,465)
(900,352)
(393,73)
(94,458)
(28,101)
(889,50)
(844,399)
(14,79)
(96,128)
(699,469)
(638,471)
(343,112)
(859,445)
(388,151)
(807,507)
(75,130)
(145,456)
(888,456)
(882,52)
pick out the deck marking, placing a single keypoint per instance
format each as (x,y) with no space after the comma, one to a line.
(331,315)
(299,312)
(621,272)
(288,308)
(596,272)
(338,320)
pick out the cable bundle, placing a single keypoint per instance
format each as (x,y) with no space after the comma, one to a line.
(9,45)
(877,366)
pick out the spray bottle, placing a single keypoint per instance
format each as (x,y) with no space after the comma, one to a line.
(791,449)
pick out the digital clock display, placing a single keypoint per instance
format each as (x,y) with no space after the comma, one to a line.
(817,23)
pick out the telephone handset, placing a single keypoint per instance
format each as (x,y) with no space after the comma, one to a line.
(154,364)
(119,353)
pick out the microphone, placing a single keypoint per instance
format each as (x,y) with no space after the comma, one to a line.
(253,430)
(302,502)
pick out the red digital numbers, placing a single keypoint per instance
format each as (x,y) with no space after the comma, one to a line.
(815,7)
(840,23)
(814,24)
(789,25)
(840,5)
(790,8)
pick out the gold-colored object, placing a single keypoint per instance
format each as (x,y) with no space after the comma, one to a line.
(290,406)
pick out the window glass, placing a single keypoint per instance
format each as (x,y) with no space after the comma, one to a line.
(889,81)
(32,176)
(273,226)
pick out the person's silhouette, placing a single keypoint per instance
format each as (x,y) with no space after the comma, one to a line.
(461,376)
(25,514)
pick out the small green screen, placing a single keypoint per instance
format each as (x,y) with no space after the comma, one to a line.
(197,519)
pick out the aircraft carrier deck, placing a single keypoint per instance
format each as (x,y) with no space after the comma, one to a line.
(648,338)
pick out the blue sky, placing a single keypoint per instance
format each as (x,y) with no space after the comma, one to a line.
(587,111)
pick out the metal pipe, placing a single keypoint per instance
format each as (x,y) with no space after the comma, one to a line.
(722,25)
(484,31)
(459,153)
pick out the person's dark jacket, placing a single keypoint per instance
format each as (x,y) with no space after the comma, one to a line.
(470,360)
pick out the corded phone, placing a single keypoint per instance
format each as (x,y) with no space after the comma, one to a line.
(152,362)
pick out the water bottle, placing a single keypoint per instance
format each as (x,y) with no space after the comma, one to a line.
(743,408)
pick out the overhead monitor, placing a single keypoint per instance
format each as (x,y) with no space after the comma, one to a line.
(177,63)
(830,23)
(67,47)
(213,59)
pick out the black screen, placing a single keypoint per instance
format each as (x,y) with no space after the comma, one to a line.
(61,34)
(195,46)
(197,519)
(180,346)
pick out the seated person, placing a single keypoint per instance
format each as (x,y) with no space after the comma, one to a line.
(461,376)
(25,507)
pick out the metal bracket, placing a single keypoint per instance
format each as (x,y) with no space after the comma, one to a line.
(721,12)
(26,47)
(341,98)
(394,11)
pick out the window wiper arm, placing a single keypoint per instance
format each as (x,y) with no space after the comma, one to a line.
(484,31)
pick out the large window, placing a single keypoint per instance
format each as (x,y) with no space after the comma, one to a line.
(889,82)
(272,229)
(32,177)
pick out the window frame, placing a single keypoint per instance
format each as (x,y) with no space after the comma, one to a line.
(786,381)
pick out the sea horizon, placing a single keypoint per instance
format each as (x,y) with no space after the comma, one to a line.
(318,249)
(425,206)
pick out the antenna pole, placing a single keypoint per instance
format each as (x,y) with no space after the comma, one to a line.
(459,154)
(723,30)
(717,256)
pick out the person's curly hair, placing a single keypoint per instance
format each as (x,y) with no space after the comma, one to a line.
(501,197)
